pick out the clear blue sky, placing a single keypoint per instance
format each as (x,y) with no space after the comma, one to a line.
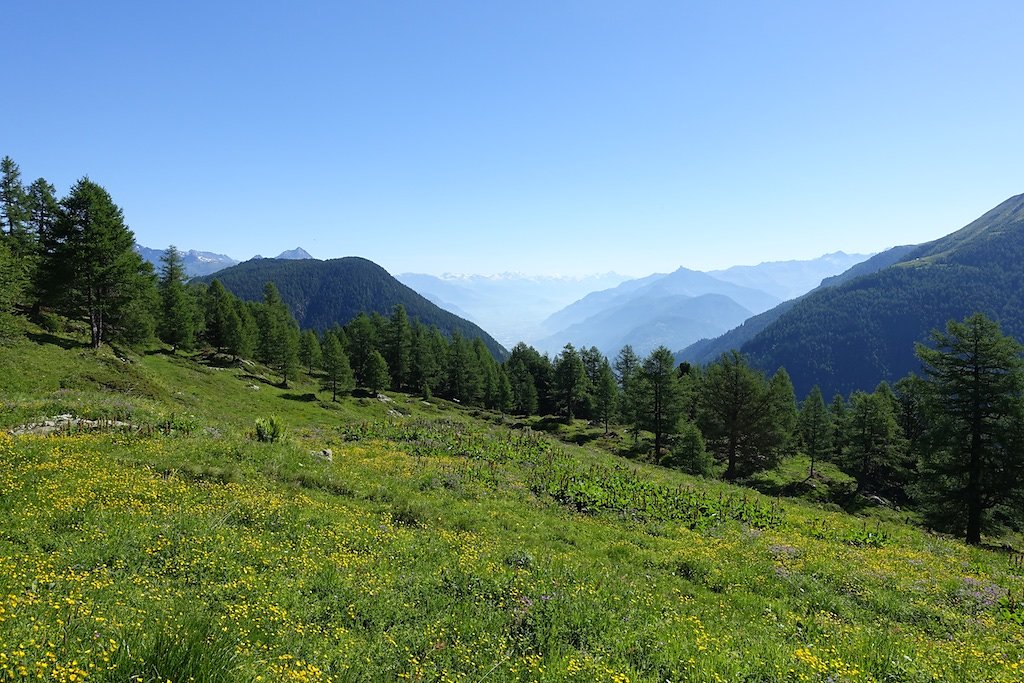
(541,137)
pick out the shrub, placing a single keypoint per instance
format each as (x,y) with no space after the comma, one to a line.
(269,430)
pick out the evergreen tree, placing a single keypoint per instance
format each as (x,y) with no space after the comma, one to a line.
(362,342)
(423,365)
(570,381)
(504,399)
(12,279)
(737,416)
(336,367)
(279,335)
(874,447)
(218,307)
(627,368)
(663,405)
(815,428)
(784,408)
(398,347)
(178,316)
(377,376)
(975,467)
(524,392)
(43,212)
(689,452)
(606,393)
(14,213)
(93,268)
(839,414)
(243,344)
(310,353)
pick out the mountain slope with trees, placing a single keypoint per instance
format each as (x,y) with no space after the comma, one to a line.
(863,331)
(321,294)
(709,349)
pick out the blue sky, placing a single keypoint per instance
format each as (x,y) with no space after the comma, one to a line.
(539,137)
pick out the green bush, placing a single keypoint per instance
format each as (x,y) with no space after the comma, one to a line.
(269,430)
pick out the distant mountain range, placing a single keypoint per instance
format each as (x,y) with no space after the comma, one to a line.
(678,308)
(322,293)
(195,262)
(204,262)
(860,328)
(510,306)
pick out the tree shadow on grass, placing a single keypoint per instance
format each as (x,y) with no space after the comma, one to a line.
(303,398)
(42,338)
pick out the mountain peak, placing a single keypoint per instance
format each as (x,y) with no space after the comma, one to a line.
(296,254)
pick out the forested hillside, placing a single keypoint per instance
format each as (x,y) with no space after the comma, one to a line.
(863,331)
(324,293)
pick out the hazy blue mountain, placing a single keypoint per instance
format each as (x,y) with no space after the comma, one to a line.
(195,262)
(789,279)
(649,321)
(510,306)
(627,312)
(321,293)
(707,350)
(295,254)
(854,334)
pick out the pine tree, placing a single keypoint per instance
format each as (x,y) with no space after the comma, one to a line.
(627,367)
(874,447)
(571,383)
(377,376)
(606,393)
(524,392)
(663,405)
(310,352)
(784,407)
(279,335)
(975,467)
(94,270)
(362,342)
(398,347)
(177,306)
(12,279)
(504,399)
(14,213)
(737,416)
(336,367)
(815,428)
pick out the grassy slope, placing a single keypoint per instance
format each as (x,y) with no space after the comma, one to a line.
(435,547)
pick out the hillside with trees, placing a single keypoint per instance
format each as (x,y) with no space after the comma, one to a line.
(321,294)
(195,486)
(861,332)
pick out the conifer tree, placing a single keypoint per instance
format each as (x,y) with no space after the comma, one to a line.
(398,347)
(336,367)
(975,467)
(784,407)
(524,392)
(662,403)
(504,398)
(627,368)
(606,392)
(815,428)
(93,268)
(377,376)
(737,416)
(310,352)
(874,443)
(14,213)
(571,383)
(177,323)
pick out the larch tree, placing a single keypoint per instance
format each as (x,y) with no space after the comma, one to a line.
(663,398)
(95,272)
(815,428)
(338,372)
(975,465)
(177,324)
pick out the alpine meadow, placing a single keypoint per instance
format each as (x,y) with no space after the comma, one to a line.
(197,487)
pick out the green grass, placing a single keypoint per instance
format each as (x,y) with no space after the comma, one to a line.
(437,546)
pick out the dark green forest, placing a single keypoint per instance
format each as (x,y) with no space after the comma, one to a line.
(322,293)
(948,440)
